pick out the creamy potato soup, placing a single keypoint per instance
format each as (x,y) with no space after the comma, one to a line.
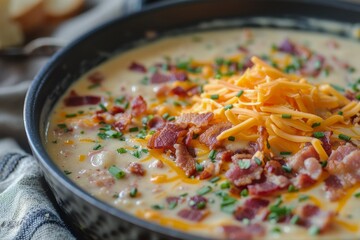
(231,134)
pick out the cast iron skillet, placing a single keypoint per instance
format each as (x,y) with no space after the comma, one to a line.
(93,218)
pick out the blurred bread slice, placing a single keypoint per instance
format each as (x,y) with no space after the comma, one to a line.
(29,14)
(60,9)
(10,32)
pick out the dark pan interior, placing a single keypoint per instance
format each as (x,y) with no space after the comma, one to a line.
(102,43)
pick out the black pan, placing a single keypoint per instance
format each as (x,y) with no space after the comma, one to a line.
(92,218)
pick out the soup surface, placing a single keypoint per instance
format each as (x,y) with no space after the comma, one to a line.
(228,134)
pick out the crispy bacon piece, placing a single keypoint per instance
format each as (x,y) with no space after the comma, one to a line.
(262,140)
(197,202)
(306,162)
(234,232)
(96,77)
(224,155)
(312,215)
(172,199)
(326,142)
(184,160)
(251,208)
(208,171)
(75,101)
(136,168)
(287,46)
(115,110)
(303,181)
(156,123)
(101,178)
(179,91)
(274,167)
(209,136)
(137,67)
(313,66)
(178,76)
(138,106)
(122,120)
(242,177)
(193,215)
(159,78)
(344,164)
(167,137)
(272,185)
(195,119)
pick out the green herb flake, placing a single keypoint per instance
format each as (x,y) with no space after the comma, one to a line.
(276,229)
(340,113)
(244,164)
(244,193)
(67,172)
(316,124)
(204,190)
(257,161)
(344,137)
(121,150)
(157,207)
(102,106)
(319,134)
(199,167)
(314,230)
(303,198)
(286,168)
(133,129)
(214,96)
(287,116)
(337,88)
(231,138)
(133,192)
(240,93)
(292,188)
(227,200)
(212,155)
(323,163)
(62,126)
(172,204)
(71,115)
(165,116)
(228,107)
(172,118)
(137,154)
(295,219)
(97,147)
(214,179)
(116,172)
(357,195)
(225,185)
(285,153)
(120,100)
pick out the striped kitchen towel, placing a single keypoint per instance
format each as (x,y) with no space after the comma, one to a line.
(26,211)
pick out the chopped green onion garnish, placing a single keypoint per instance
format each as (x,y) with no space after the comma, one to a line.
(204,190)
(133,129)
(231,138)
(292,188)
(212,155)
(214,96)
(157,207)
(344,137)
(102,106)
(137,154)
(172,118)
(172,204)
(201,205)
(358,97)
(166,115)
(357,195)
(133,192)
(314,230)
(229,106)
(62,125)
(70,115)
(268,144)
(97,147)
(285,153)
(319,134)
(225,185)
(323,163)
(303,198)
(294,219)
(286,168)
(199,167)
(244,164)
(286,116)
(214,179)
(67,172)
(340,113)
(240,93)
(244,193)
(121,150)
(314,125)
(338,88)
(276,229)
(116,172)
(258,161)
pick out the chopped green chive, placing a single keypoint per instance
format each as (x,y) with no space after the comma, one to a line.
(244,193)
(244,164)
(199,167)
(166,115)
(157,207)
(214,96)
(121,150)
(212,155)
(225,185)
(288,116)
(214,179)
(358,97)
(240,93)
(314,230)
(133,192)
(285,153)
(71,115)
(231,138)
(67,172)
(340,113)
(286,168)
(218,76)
(97,147)
(227,200)
(344,137)
(337,88)
(319,134)
(357,195)
(323,163)
(303,198)
(219,61)
(295,219)
(172,204)
(268,144)
(133,129)
(276,229)
(172,118)
(204,190)
(102,106)
(137,154)
(314,125)
(229,106)
(201,205)
(116,172)
(292,188)
(62,125)
(258,161)
(184,195)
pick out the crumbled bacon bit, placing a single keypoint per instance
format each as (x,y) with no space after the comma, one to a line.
(251,208)
(156,123)
(96,77)
(208,171)
(272,185)
(136,168)
(122,120)
(184,160)
(193,214)
(101,178)
(75,101)
(115,110)
(166,137)
(209,136)
(159,78)
(242,177)
(312,215)
(138,106)
(137,67)
(326,142)
(263,136)
(195,119)
(178,76)
(303,181)
(297,161)
(234,232)
(196,200)
(224,155)
(179,91)
(274,167)
(287,46)
(313,66)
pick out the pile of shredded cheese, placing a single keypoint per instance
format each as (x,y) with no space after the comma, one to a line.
(290,108)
